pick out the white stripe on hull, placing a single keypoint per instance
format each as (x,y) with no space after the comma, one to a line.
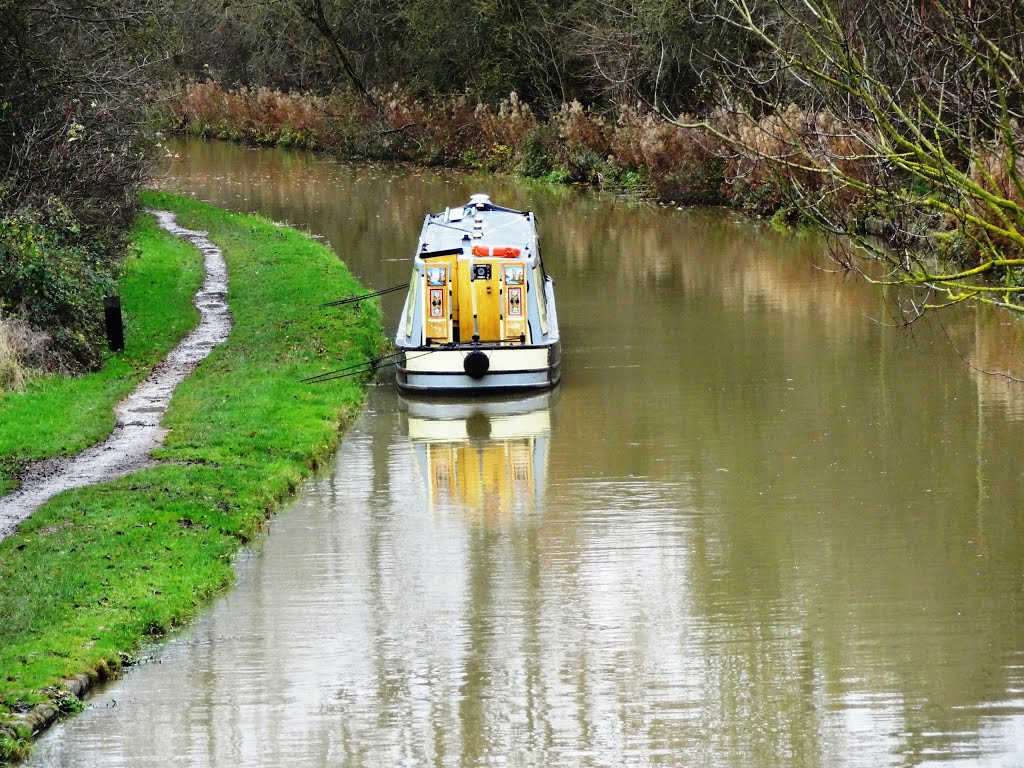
(438,382)
(450,360)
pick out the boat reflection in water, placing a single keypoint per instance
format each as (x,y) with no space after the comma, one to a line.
(487,458)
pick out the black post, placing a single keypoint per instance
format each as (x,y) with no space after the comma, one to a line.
(115,325)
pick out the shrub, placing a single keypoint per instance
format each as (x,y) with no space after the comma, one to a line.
(539,152)
(682,165)
(584,141)
(54,278)
(779,153)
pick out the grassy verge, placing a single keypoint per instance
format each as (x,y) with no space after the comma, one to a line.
(97,572)
(161,274)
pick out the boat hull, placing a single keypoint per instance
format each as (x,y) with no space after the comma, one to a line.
(508,369)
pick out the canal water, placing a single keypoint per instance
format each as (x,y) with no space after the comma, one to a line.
(758,524)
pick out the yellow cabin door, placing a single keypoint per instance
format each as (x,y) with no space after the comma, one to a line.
(513,300)
(488,304)
(438,278)
(479,290)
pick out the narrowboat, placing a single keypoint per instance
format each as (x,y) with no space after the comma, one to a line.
(480,315)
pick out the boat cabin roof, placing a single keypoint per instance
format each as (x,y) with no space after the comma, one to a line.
(478,222)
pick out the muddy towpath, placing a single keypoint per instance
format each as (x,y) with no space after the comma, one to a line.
(138,428)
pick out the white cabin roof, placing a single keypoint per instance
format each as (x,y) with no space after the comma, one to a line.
(478,222)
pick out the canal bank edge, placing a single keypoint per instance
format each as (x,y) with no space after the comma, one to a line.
(97,572)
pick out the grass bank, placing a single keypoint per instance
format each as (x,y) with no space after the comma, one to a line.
(98,571)
(161,274)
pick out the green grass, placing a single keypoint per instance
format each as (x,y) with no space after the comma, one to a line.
(161,274)
(98,571)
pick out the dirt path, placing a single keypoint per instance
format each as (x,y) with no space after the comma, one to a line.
(138,429)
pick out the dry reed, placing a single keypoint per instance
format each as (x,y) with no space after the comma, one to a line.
(20,348)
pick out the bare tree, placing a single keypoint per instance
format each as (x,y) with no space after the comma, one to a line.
(334,31)
(651,51)
(72,79)
(73,151)
(901,111)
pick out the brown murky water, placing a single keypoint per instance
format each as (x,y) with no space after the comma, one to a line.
(755,526)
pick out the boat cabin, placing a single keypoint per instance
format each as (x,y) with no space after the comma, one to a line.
(478,286)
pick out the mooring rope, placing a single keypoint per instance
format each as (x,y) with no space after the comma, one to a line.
(366,366)
(363,297)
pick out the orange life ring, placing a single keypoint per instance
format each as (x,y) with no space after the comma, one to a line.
(499,251)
